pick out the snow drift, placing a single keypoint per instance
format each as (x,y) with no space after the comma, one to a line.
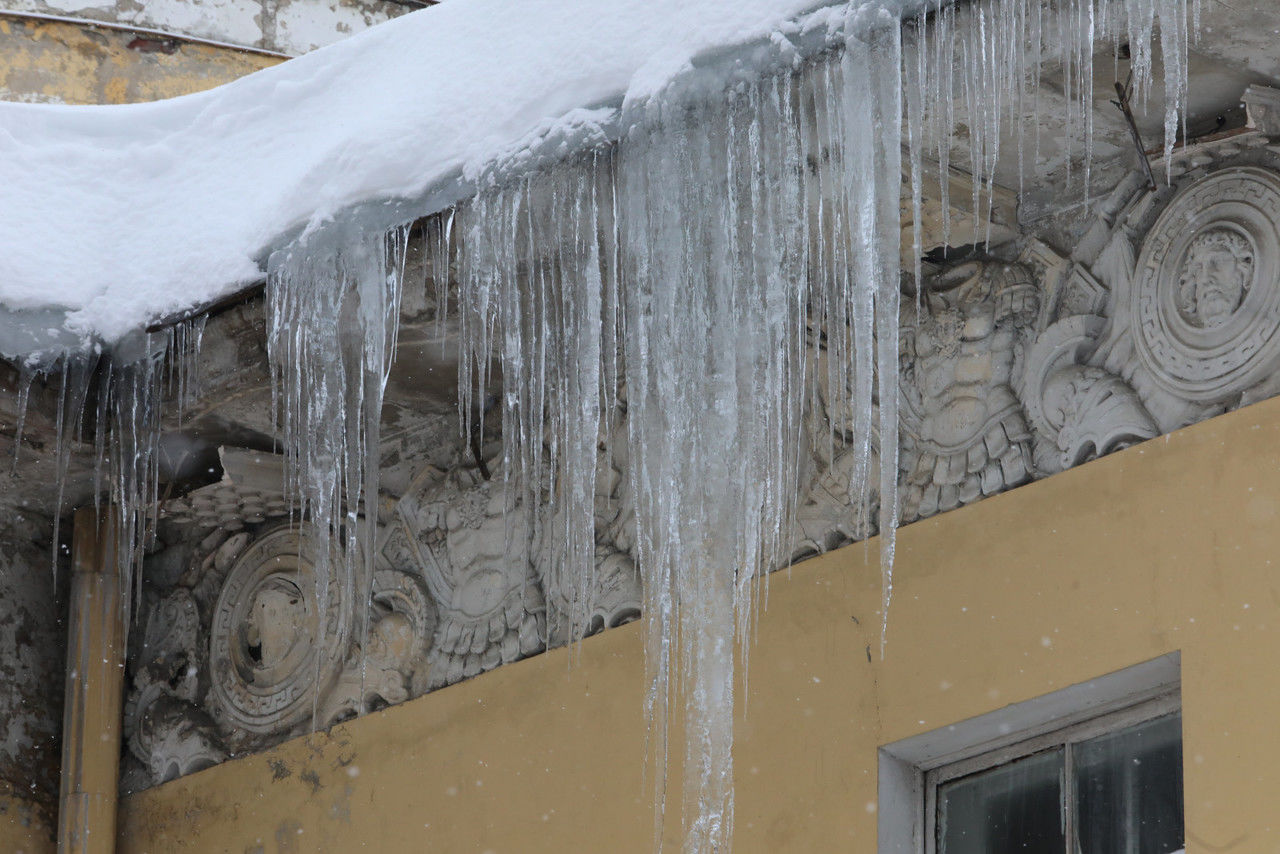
(117,216)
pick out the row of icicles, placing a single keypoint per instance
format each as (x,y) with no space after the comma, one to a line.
(725,270)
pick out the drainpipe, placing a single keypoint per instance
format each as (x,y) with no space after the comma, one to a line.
(94,698)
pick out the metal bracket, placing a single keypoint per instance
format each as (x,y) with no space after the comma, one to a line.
(1122,90)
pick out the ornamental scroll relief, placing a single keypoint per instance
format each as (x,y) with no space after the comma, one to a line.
(1026,363)
(1013,367)
(235,656)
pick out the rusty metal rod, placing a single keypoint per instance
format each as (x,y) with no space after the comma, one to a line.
(1122,90)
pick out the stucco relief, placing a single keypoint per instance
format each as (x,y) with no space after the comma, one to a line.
(241,654)
(472,544)
(965,433)
(1192,323)
(166,728)
(611,595)
(276,641)
(388,664)
(995,390)
(1078,411)
(1166,312)
(830,460)
(1015,366)
(1216,275)
(486,560)
(237,653)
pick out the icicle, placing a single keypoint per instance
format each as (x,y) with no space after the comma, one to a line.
(76,371)
(184,360)
(884,44)
(26,375)
(681,276)
(715,368)
(947,117)
(333,307)
(532,283)
(437,237)
(1036,51)
(136,400)
(59,468)
(101,430)
(1086,96)
(873,84)
(914,83)
(1173,45)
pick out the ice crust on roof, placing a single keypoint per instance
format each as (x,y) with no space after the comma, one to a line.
(115,216)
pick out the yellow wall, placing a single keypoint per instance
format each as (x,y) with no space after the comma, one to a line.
(25,826)
(1167,546)
(58,62)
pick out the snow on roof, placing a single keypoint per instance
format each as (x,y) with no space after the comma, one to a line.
(114,216)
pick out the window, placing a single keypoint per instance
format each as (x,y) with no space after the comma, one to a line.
(1112,785)
(1095,768)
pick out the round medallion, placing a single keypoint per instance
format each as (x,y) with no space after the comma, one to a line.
(267,665)
(1206,299)
(403,596)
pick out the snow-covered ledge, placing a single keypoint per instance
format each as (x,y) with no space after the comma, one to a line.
(139,212)
(715,326)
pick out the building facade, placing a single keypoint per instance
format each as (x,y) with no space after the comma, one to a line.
(1088,483)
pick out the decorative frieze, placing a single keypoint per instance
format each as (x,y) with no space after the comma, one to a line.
(1013,366)
(470,542)
(271,653)
(964,431)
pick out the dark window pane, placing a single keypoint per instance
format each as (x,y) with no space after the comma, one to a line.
(1013,809)
(1129,789)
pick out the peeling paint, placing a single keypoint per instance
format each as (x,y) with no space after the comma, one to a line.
(63,63)
(25,826)
(288,26)
(31,656)
(312,779)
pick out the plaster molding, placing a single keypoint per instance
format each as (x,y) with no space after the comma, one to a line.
(1165,312)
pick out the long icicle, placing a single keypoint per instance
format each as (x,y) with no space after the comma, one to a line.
(697,249)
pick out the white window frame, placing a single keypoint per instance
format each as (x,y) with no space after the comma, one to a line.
(909,770)
(1074,734)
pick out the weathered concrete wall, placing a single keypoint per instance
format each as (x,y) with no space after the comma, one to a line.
(64,63)
(32,651)
(1166,546)
(286,26)
(25,827)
